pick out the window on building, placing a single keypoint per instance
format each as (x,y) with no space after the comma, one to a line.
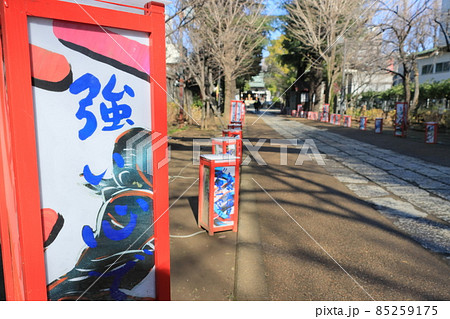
(427,69)
(443,67)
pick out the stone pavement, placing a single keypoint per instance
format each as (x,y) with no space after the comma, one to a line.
(339,231)
(414,193)
(319,240)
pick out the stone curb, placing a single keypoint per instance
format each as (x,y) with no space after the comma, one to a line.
(250,283)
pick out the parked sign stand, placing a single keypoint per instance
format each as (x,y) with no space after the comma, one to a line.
(378,125)
(431,130)
(313,116)
(83,149)
(300,111)
(325,115)
(347,121)
(232,133)
(401,119)
(218,193)
(227,145)
(335,119)
(332,118)
(235,126)
(363,123)
(237,111)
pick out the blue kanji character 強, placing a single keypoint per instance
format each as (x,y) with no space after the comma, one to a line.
(87,81)
(117,112)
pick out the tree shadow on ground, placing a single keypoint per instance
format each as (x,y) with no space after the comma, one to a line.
(193,202)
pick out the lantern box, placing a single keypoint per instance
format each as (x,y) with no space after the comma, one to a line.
(324,117)
(378,125)
(431,130)
(227,145)
(235,126)
(363,123)
(347,121)
(218,199)
(335,119)
(300,111)
(237,111)
(313,115)
(401,119)
(232,133)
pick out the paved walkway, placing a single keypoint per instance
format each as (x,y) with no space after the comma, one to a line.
(370,224)
(413,193)
(320,236)
(202,266)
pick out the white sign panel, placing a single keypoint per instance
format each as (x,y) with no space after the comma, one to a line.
(93,126)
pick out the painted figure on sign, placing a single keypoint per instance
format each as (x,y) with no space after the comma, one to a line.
(223,197)
(119,253)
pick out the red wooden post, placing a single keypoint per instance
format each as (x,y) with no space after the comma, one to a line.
(24,223)
(21,226)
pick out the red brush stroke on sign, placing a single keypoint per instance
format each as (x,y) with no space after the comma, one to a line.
(47,65)
(103,42)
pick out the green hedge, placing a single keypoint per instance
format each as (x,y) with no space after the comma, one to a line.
(436,90)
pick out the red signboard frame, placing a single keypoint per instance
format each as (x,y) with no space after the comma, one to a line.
(20,216)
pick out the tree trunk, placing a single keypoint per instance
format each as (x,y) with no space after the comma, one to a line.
(208,115)
(203,97)
(203,122)
(229,89)
(415,101)
(407,88)
(188,107)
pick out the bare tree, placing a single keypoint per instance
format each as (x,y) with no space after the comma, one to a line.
(200,67)
(232,30)
(364,65)
(408,28)
(181,14)
(321,25)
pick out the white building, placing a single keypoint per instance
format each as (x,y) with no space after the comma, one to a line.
(434,65)
(358,81)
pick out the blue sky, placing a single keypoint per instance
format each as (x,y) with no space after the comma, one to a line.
(273,8)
